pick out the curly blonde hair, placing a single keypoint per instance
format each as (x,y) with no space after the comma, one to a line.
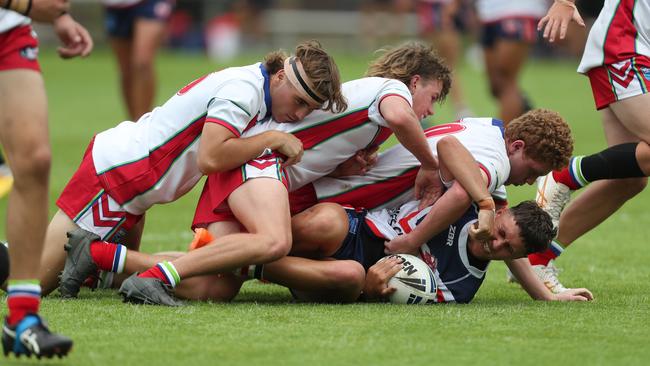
(546,134)
(320,69)
(410,59)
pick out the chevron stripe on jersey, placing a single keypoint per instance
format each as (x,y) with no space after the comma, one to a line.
(390,182)
(621,32)
(155,160)
(338,136)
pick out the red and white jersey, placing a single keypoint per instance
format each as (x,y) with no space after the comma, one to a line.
(621,32)
(10,19)
(390,183)
(154,160)
(495,10)
(331,138)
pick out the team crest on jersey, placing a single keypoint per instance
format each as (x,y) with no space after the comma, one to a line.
(30,53)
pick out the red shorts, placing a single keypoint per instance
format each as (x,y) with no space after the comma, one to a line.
(85,202)
(19,49)
(621,80)
(213,204)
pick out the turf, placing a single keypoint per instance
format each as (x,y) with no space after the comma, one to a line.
(502,325)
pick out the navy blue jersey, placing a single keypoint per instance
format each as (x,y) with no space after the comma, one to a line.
(459,275)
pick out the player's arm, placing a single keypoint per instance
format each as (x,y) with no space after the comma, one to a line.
(221,150)
(405,125)
(38,10)
(557,19)
(522,270)
(444,212)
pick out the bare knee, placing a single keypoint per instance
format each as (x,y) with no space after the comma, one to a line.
(273,247)
(32,165)
(347,275)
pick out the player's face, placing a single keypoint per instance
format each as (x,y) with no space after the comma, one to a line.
(523,170)
(425,95)
(507,243)
(286,103)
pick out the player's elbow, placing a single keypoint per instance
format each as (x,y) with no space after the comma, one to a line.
(459,194)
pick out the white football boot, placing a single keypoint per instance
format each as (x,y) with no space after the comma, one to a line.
(548,275)
(552,196)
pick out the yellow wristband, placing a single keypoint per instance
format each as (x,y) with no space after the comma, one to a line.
(486,203)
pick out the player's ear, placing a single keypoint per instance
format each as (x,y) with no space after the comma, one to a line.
(413,82)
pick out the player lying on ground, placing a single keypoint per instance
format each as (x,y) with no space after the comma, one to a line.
(159,158)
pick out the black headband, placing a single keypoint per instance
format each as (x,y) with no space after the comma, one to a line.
(302,82)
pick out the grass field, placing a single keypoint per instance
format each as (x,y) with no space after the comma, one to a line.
(501,326)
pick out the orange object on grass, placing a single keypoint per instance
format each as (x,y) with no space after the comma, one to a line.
(202,237)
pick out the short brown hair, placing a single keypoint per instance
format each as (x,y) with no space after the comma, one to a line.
(408,60)
(546,134)
(320,69)
(535,226)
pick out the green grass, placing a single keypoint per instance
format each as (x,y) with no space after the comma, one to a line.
(502,325)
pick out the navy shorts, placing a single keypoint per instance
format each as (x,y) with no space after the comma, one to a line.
(361,244)
(119,21)
(512,29)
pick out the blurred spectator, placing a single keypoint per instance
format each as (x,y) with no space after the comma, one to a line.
(382,21)
(508,29)
(441,22)
(135,30)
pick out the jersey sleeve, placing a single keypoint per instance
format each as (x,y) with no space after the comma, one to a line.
(389,88)
(235,105)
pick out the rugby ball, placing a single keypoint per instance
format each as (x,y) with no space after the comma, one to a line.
(415,282)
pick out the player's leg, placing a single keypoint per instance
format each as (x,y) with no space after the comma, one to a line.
(319,231)
(318,280)
(510,56)
(122,50)
(24,135)
(53,258)
(262,207)
(147,37)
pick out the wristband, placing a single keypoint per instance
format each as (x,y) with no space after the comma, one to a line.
(486,203)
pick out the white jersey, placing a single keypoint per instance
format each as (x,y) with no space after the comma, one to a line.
(621,32)
(495,10)
(390,182)
(10,19)
(154,160)
(329,139)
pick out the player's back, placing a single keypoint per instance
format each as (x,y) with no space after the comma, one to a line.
(331,138)
(390,182)
(154,160)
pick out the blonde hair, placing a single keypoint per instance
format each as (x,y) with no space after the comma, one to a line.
(546,134)
(408,60)
(320,69)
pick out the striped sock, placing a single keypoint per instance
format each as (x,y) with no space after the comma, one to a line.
(571,176)
(23,297)
(108,256)
(546,256)
(164,271)
(254,271)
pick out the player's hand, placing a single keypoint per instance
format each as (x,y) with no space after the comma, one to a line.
(400,244)
(483,229)
(378,276)
(48,10)
(359,164)
(557,19)
(574,294)
(75,38)
(291,147)
(428,187)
